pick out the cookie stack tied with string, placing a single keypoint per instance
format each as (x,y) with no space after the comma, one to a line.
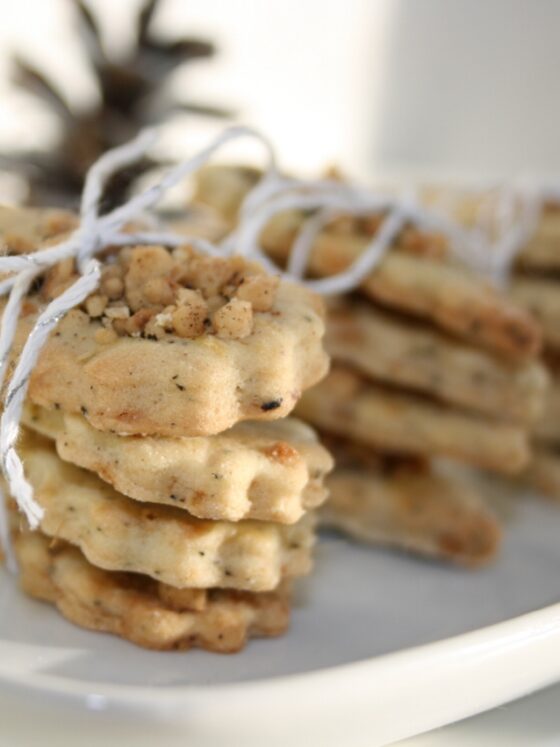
(431,363)
(172,496)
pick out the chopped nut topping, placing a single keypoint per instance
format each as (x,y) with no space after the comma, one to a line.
(146,264)
(234,320)
(95,305)
(259,290)
(153,329)
(113,288)
(165,318)
(117,312)
(138,321)
(189,317)
(158,291)
(151,292)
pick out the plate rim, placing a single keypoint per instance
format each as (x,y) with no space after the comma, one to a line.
(478,662)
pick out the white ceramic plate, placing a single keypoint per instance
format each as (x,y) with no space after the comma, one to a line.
(381,647)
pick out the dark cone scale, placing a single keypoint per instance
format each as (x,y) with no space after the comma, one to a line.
(127,88)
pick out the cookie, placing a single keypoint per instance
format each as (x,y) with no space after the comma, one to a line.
(448,295)
(398,351)
(131,607)
(413,277)
(420,512)
(118,534)
(256,470)
(541,297)
(23,230)
(543,472)
(542,251)
(224,188)
(347,405)
(547,428)
(160,350)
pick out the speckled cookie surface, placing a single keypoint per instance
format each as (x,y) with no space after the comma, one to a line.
(118,534)
(348,405)
(413,510)
(132,607)
(177,344)
(256,470)
(421,358)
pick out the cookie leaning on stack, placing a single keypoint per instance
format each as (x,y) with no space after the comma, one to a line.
(430,362)
(177,495)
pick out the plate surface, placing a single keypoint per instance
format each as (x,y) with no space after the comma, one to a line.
(379,649)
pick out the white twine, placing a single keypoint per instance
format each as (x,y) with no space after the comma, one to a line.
(94,233)
(273,194)
(327,200)
(505,220)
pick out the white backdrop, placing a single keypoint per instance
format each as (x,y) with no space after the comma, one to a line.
(421,88)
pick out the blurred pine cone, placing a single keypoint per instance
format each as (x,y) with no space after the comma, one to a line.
(128,92)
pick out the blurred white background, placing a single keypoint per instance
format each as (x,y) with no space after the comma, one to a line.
(431,90)
(303,72)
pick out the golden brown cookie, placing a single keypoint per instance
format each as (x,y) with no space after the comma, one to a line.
(118,534)
(543,472)
(178,344)
(413,277)
(401,352)
(255,470)
(542,251)
(417,511)
(132,607)
(23,230)
(448,295)
(547,428)
(387,420)
(541,297)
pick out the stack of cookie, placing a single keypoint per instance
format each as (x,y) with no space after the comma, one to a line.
(178,495)
(430,362)
(535,284)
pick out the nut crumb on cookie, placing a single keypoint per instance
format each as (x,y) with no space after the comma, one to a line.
(151,292)
(234,320)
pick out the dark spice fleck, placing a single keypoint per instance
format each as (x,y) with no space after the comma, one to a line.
(274,404)
(83,410)
(180,387)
